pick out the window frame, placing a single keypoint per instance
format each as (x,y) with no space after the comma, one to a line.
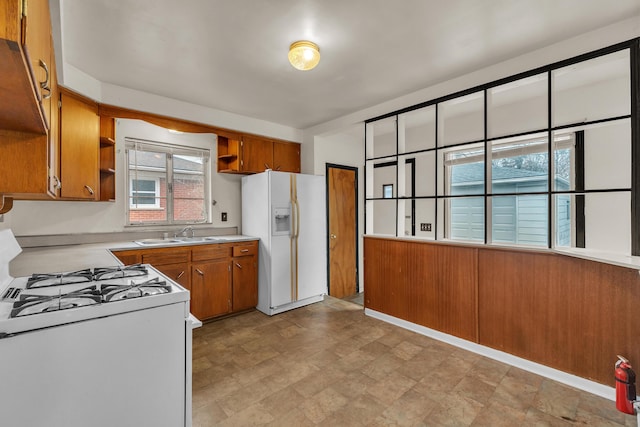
(170,151)
(156,204)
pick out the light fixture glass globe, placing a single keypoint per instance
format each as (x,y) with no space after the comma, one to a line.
(304,55)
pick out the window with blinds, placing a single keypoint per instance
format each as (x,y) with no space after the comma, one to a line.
(166,184)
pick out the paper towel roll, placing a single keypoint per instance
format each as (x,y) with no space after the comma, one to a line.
(9,249)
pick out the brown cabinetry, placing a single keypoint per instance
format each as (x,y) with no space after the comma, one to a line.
(211,288)
(222,277)
(28,110)
(245,277)
(257,154)
(79,147)
(254,154)
(25,42)
(286,156)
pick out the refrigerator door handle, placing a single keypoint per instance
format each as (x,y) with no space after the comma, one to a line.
(297,218)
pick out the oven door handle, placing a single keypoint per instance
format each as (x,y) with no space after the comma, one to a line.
(193,322)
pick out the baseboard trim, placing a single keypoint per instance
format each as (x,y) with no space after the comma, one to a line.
(527,365)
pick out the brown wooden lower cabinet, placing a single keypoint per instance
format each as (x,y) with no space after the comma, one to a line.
(211,288)
(179,273)
(222,278)
(571,314)
(245,285)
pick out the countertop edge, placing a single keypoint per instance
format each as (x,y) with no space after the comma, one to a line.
(620,260)
(54,259)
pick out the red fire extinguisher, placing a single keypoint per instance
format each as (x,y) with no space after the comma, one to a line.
(625,386)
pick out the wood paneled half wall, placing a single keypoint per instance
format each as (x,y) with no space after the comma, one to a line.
(567,313)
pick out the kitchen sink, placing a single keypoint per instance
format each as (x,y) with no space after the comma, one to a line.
(190,239)
(156,242)
(183,240)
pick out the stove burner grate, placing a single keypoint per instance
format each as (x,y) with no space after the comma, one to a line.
(106,273)
(39,280)
(150,287)
(29,304)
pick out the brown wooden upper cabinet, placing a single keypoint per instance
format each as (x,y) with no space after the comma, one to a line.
(286,156)
(25,84)
(247,154)
(79,147)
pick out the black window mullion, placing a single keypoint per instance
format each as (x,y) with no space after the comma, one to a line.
(487,163)
(397,171)
(580,198)
(435,192)
(635,147)
(550,160)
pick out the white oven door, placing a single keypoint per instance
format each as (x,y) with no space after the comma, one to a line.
(123,370)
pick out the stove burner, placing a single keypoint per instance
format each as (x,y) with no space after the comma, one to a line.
(35,304)
(107,273)
(153,286)
(44,280)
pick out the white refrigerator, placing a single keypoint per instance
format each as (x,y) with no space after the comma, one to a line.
(287,211)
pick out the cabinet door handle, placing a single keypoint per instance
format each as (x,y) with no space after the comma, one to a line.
(58,183)
(180,275)
(244,250)
(239,266)
(46,90)
(278,168)
(90,190)
(333,236)
(199,272)
(266,166)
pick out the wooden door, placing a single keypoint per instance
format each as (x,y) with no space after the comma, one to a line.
(342,188)
(245,283)
(79,148)
(286,157)
(257,154)
(210,288)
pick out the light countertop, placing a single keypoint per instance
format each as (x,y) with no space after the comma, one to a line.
(54,259)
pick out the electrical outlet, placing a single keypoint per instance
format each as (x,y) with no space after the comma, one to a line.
(224,216)
(425,226)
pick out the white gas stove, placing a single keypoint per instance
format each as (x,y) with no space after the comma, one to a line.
(46,300)
(75,343)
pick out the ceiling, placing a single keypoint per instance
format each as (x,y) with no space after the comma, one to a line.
(231,55)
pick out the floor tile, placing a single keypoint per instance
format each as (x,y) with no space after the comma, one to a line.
(328,364)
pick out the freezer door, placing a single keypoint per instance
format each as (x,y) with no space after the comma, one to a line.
(280,280)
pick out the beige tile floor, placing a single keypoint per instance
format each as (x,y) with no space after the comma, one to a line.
(330,365)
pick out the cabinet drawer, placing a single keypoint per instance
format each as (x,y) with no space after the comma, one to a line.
(214,251)
(245,250)
(159,258)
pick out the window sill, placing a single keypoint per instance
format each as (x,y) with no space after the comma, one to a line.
(146,209)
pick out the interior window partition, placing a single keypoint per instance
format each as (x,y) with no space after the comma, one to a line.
(543,158)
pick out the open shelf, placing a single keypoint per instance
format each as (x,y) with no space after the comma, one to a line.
(228,155)
(107,159)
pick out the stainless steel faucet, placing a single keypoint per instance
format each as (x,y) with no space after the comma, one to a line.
(184,232)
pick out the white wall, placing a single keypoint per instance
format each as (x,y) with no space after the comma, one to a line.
(29,218)
(346,149)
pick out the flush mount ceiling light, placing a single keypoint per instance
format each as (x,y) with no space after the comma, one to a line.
(304,55)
